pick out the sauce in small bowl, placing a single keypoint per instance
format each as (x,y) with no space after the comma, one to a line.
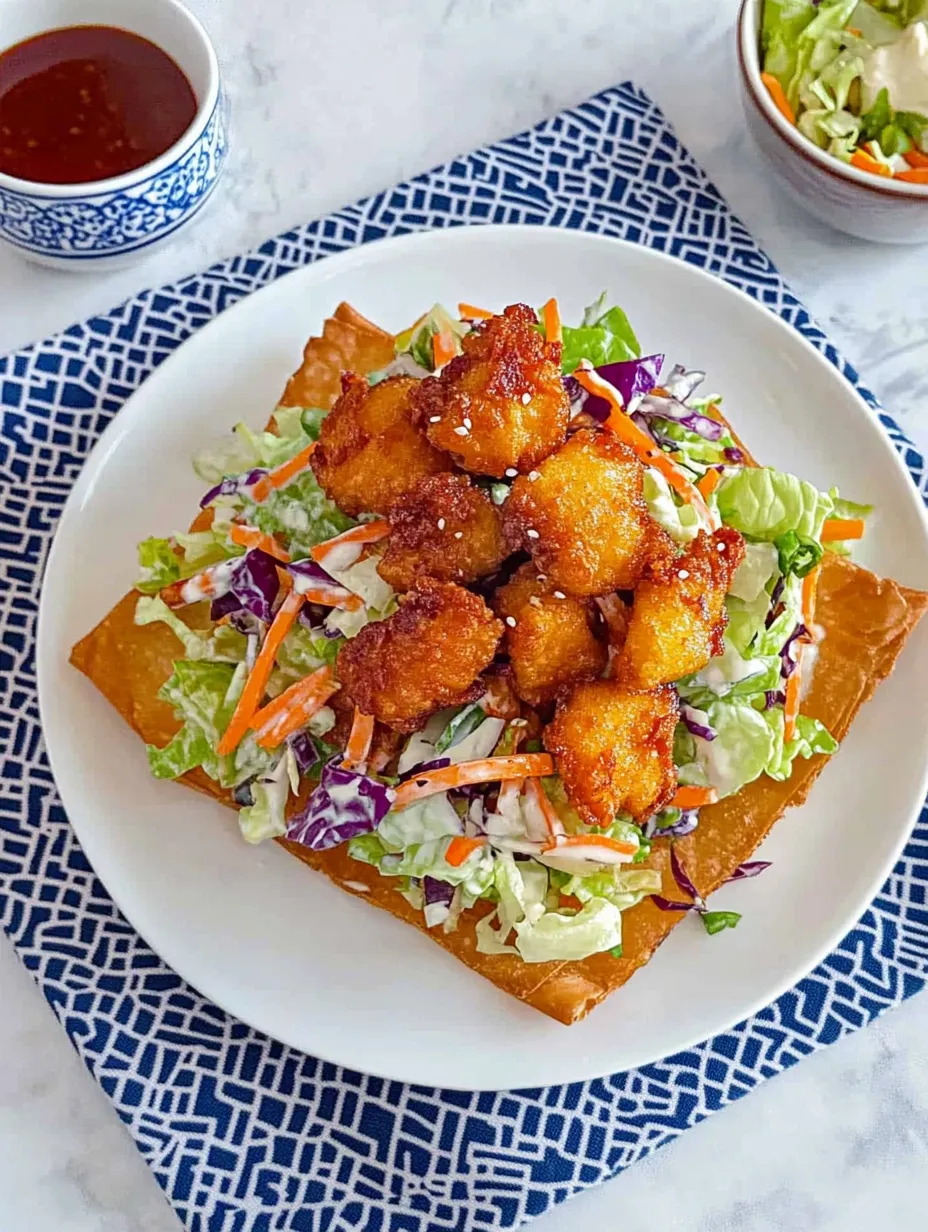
(113,128)
(85,103)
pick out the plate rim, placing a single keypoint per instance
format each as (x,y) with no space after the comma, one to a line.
(122,424)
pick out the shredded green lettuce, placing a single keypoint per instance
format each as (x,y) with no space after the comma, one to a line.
(605,336)
(764,504)
(301,511)
(811,737)
(418,343)
(265,817)
(203,694)
(680,521)
(222,643)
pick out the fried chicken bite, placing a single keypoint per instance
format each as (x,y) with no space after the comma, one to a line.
(502,404)
(583,516)
(369,449)
(427,655)
(443,527)
(614,749)
(678,616)
(549,635)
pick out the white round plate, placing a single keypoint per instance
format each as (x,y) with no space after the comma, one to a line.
(282,948)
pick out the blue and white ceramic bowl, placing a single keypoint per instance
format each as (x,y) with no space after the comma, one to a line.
(116,221)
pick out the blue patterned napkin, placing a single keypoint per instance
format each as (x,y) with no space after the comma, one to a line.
(242,1132)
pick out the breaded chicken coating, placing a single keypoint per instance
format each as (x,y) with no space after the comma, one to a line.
(502,404)
(614,749)
(427,655)
(678,616)
(443,527)
(369,450)
(549,635)
(583,517)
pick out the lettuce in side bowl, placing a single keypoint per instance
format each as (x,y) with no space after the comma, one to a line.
(853,78)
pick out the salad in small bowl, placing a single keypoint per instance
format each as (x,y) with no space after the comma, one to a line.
(836,95)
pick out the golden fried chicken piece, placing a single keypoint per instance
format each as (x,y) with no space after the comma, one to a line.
(443,527)
(678,616)
(583,517)
(549,635)
(369,450)
(427,655)
(502,404)
(614,749)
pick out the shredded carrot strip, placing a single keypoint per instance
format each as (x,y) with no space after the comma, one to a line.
(333,596)
(794,683)
(866,162)
(592,840)
(535,791)
(205,583)
(256,683)
(282,476)
(918,175)
(709,482)
(296,693)
(251,537)
(293,708)
(365,532)
(551,319)
(791,704)
(443,348)
(777,94)
(486,770)
(694,797)
(842,528)
(570,900)
(470,312)
(628,431)
(460,848)
(809,585)
(915,158)
(359,740)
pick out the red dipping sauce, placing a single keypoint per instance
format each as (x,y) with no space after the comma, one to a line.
(86,103)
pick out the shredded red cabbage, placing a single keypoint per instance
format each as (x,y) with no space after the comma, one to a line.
(435,891)
(305,751)
(682,382)
(689,820)
(787,658)
(775,596)
(253,587)
(231,486)
(313,615)
(344,805)
(655,407)
(753,868)
(437,763)
(685,824)
(666,904)
(774,697)
(309,571)
(734,456)
(682,878)
(694,726)
(631,377)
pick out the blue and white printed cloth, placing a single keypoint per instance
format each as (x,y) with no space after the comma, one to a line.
(242,1132)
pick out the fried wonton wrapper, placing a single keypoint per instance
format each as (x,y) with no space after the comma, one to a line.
(866,620)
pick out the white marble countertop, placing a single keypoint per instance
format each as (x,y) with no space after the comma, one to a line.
(340,98)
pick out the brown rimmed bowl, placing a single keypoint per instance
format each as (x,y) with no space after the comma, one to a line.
(853,201)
